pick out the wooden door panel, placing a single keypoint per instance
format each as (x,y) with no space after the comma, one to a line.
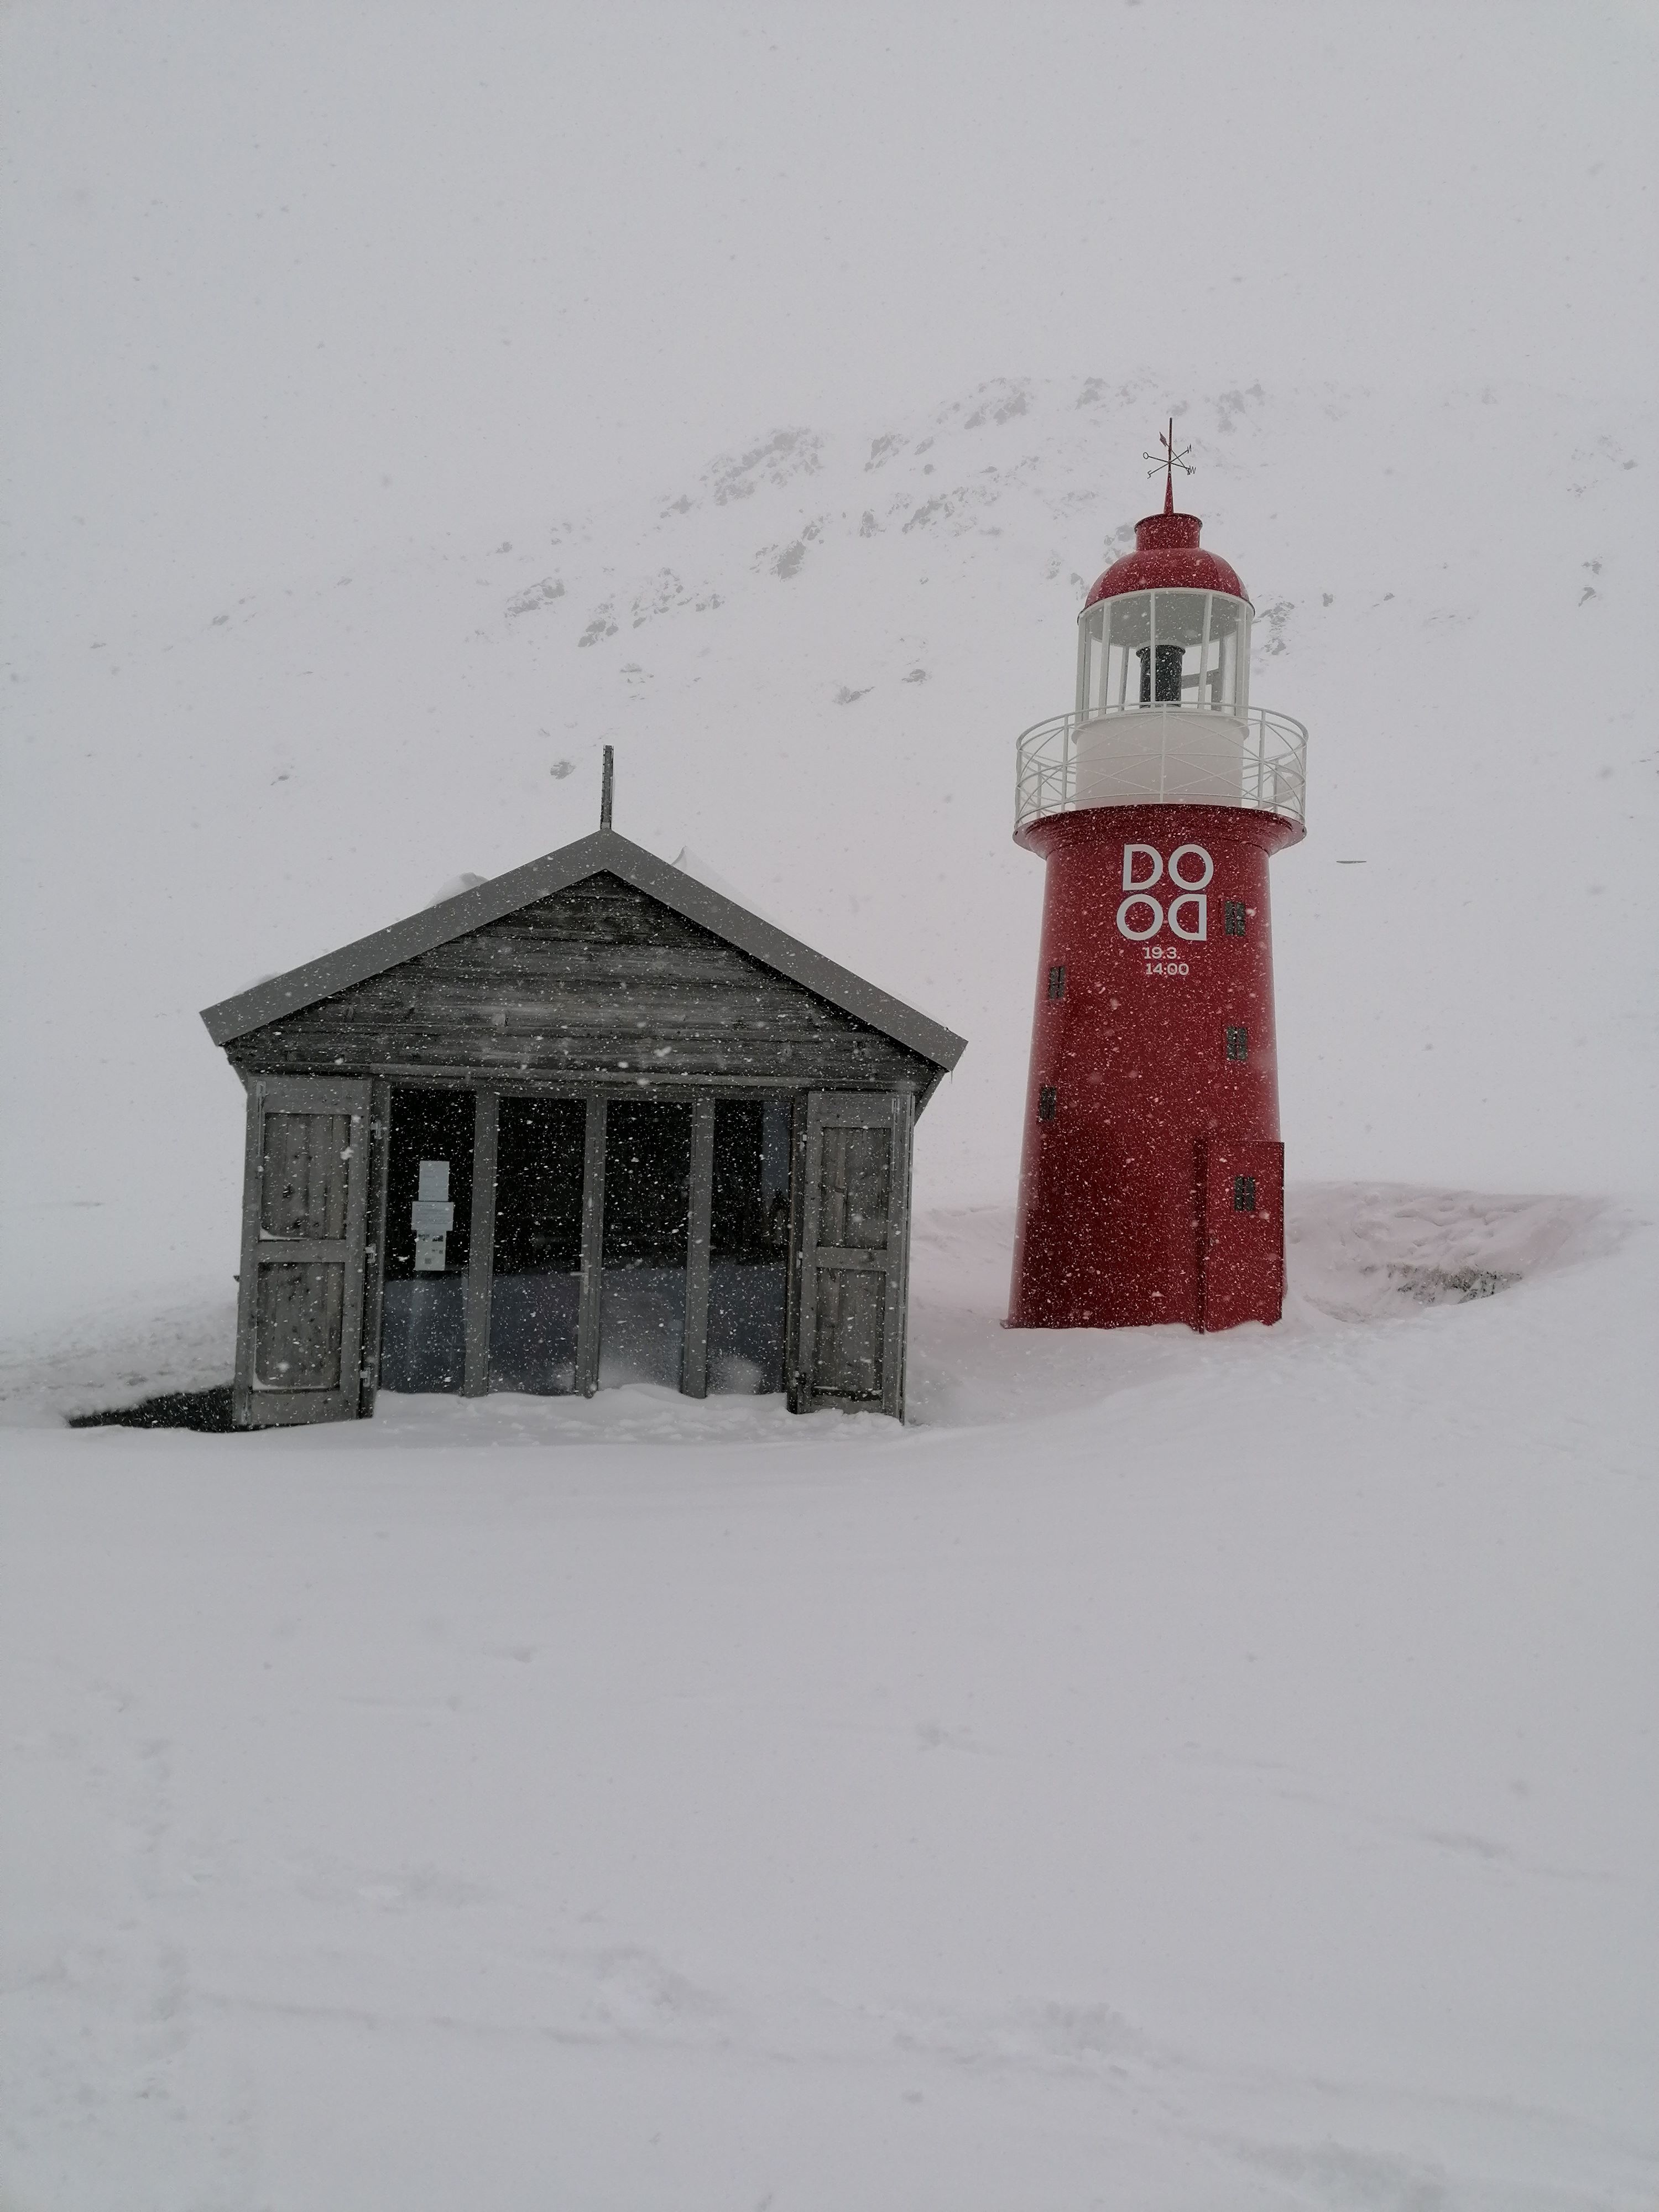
(298,1333)
(299,1307)
(851,1327)
(857,1185)
(304,1174)
(854,1246)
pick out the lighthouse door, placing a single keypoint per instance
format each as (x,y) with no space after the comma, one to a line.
(1242,1255)
(854,1252)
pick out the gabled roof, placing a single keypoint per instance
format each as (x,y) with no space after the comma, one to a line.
(604,853)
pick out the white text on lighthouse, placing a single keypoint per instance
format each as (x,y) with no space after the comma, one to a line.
(1190,868)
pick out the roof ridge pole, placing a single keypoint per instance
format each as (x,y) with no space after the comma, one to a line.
(607,786)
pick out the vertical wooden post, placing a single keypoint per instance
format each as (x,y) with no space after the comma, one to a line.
(379,1170)
(587,1323)
(247,1280)
(894,1330)
(794,1379)
(607,787)
(693,1368)
(481,1246)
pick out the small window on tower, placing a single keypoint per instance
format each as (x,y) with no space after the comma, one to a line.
(1243,1194)
(1047,1102)
(1235,913)
(1239,1042)
(1057,982)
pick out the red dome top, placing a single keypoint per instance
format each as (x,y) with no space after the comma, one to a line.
(1168,557)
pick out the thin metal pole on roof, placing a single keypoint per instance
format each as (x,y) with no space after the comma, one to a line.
(607,787)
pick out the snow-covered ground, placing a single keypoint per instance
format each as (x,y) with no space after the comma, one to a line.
(1172,1773)
(1175,1771)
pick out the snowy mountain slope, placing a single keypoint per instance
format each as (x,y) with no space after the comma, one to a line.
(813,655)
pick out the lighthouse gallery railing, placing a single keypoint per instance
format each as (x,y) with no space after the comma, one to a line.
(1136,756)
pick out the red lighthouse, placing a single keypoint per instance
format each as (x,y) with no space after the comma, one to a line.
(1152,1180)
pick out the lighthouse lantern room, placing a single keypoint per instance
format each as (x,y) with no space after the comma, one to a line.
(1152,1179)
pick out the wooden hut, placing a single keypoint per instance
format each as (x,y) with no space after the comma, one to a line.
(588,1123)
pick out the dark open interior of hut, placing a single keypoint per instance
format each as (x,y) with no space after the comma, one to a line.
(646,1198)
(535,1302)
(424,1325)
(648,1213)
(749,1244)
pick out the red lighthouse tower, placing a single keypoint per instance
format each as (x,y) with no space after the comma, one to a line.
(1152,1180)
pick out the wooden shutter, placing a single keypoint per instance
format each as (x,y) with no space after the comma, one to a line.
(855,1252)
(305,1204)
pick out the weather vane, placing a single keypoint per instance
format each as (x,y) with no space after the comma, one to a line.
(1168,460)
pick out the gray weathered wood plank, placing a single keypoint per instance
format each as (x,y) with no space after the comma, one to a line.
(601,884)
(895,1352)
(379,1161)
(694,1376)
(299,1333)
(848,1338)
(246,1279)
(600,978)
